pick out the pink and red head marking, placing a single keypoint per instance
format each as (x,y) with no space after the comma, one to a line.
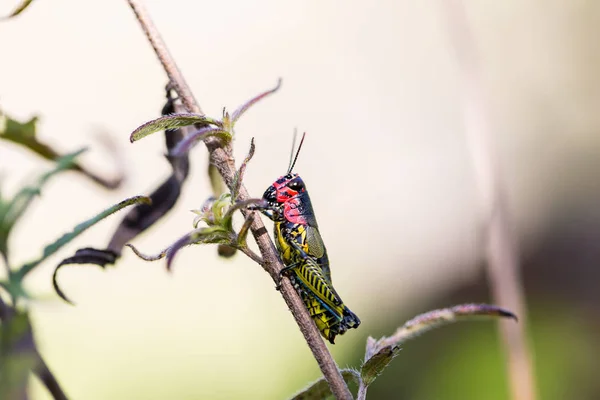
(286,190)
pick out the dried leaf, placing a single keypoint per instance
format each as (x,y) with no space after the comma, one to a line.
(143,216)
(87,255)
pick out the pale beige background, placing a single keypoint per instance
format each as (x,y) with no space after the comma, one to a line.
(374,84)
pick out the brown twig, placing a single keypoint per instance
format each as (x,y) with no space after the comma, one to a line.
(221,157)
(48,380)
(500,248)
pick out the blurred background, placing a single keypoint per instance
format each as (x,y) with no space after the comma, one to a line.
(377,88)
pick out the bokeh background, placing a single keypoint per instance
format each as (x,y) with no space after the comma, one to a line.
(376,87)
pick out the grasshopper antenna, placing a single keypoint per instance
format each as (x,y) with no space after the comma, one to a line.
(292,163)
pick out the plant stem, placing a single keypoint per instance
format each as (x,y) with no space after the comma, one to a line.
(48,380)
(27,343)
(177,79)
(362,391)
(500,246)
(222,158)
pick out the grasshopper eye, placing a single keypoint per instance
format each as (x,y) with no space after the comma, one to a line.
(296,185)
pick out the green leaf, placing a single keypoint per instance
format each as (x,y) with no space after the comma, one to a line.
(319,389)
(377,363)
(24,134)
(20,8)
(15,289)
(79,229)
(171,121)
(11,212)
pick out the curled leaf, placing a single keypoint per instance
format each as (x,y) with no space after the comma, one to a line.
(147,257)
(186,144)
(79,229)
(215,235)
(83,256)
(244,107)
(144,215)
(170,121)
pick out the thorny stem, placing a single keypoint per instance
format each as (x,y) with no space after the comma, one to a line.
(500,246)
(223,160)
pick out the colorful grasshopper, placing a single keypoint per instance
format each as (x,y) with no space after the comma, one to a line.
(303,252)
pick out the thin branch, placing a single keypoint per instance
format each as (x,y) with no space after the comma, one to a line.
(5,311)
(500,247)
(177,79)
(225,164)
(255,257)
(48,380)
